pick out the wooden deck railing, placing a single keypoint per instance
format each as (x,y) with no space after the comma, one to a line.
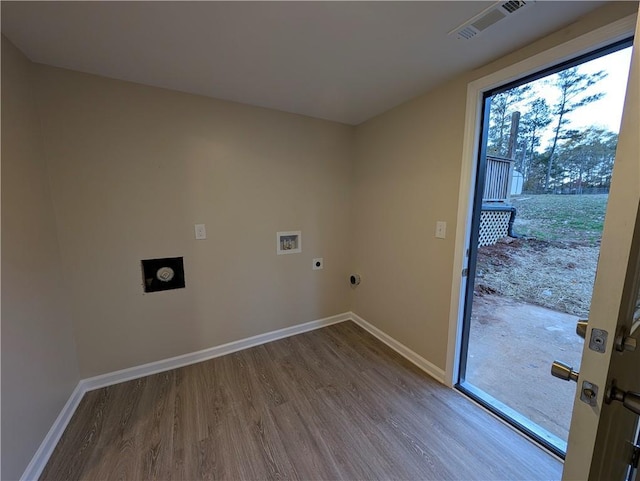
(497,182)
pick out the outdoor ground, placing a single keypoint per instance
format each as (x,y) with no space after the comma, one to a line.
(553,274)
(529,293)
(553,263)
(510,358)
(565,218)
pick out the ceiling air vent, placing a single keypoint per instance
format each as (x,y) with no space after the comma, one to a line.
(513,5)
(488,17)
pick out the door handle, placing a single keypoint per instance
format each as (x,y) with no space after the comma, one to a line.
(563,371)
(629,399)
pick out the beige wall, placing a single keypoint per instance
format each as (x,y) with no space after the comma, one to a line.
(406,177)
(39,367)
(133,168)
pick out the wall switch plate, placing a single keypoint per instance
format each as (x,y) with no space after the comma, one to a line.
(201,232)
(318,263)
(441,229)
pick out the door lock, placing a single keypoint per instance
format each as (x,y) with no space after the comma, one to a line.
(563,371)
(581,328)
(629,399)
(623,343)
(598,341)
(589,393)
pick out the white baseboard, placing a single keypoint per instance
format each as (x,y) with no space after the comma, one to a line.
(41,457)
(39,460)
(136,372)
(431,369)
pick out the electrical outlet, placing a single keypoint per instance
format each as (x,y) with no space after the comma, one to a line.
(318,264)
(441,229)
(201,232)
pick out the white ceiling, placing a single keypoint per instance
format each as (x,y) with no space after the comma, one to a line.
(342,61)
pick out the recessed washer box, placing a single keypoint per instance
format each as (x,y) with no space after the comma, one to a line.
(162,274)
(289,242)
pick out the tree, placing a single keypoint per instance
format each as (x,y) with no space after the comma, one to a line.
(586,158)
(603,171)
(574,93)
(536,173)
(502,106)
(534,121)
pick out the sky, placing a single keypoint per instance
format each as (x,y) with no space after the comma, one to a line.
(606,112)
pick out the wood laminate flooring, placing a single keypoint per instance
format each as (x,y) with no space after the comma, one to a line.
(334,403)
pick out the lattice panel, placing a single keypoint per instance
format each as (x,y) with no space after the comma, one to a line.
(494,225)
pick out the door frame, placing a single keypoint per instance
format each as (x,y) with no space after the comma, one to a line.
(598,38)
(543,436)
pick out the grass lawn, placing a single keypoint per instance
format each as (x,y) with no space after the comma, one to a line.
(564,218)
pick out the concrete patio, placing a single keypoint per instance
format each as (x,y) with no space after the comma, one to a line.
(511,348)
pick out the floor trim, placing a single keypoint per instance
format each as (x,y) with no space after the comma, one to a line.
(41,457)
(44,452)
(431,369)
(136,372)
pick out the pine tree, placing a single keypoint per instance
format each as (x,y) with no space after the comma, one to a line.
(502,106)
(586,159)
(573,86)
(534,122)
